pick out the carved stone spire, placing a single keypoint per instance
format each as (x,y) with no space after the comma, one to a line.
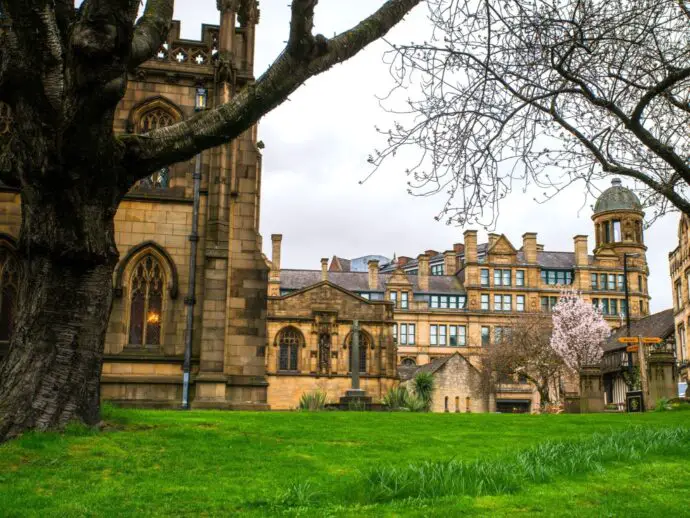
(248,13)
(228,5)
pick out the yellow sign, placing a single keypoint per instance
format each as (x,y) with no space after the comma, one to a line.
(649,340)
(632,348)
(628,339)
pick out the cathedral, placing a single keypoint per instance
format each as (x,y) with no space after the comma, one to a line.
(191,275)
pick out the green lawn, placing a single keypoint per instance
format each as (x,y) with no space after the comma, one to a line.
(161,463)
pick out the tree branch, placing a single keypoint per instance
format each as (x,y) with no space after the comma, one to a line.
(147,153)
(151,31)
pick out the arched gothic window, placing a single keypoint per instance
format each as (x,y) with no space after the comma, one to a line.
(9,288)
(5,120)
(364,344)
(289,342)
(146,303)
(154,119)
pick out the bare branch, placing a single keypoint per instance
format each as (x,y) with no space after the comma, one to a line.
(151,31)
(183,140)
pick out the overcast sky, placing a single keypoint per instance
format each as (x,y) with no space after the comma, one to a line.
(317,144)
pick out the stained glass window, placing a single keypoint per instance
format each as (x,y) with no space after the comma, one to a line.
(146,308)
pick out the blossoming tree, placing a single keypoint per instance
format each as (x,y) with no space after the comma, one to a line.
(579,330)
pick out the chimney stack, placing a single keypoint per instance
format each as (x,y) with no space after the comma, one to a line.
(373,274)
(529,247)
(324,269)
(581,256)
(423,272)
(470,246)
(450,262)
(403,260)
(276,240)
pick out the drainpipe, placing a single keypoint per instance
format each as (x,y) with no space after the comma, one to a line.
(190,299)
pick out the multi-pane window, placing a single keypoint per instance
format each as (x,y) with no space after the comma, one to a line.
(485,302)
(502,277)
(498,302)
(365,295)
(457,336)
(603,280)
(447,301)
(437,334)
(486,335)
(547,303)
(639,281)
(9,286)
(484,276)
(612,283)
(501,334)
(503,303)
(519,277)
(679,296)
(146,302)
(407,334)
(621,282)
(437,269)
(520,302)
(394,298)
(594,280)
(395,333)
(404,300)
(610,307)
(557,277)
(289,342)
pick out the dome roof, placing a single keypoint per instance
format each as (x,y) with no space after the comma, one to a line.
(617,197)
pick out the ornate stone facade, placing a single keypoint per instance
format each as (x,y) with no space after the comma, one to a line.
(679,264)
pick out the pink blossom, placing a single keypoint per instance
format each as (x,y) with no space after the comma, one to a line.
(579,330)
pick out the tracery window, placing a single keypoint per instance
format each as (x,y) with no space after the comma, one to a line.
(289,342)
(154,119)
(9,288)
(5,120)
(146,307)
(364,344)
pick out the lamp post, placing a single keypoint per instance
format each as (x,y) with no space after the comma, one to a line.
(200,104)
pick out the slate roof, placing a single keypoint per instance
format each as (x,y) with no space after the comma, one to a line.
(545,259)
(657,325)
(407,373)
(359,281)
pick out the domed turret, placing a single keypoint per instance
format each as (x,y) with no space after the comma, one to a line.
(617,197)
(618,218)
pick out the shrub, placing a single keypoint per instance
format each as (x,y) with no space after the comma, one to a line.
(396,398)
(415,404)
(662,404)
(424,388)
(313,401)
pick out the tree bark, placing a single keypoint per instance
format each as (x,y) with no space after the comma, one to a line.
(52,371)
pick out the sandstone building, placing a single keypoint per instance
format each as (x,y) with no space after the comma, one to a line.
(679,263)
(466,297)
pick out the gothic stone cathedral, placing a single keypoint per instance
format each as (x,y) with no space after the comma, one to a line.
(154,230)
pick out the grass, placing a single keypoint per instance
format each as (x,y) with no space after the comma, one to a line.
(159,463)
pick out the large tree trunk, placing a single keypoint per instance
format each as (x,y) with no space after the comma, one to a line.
(51,374)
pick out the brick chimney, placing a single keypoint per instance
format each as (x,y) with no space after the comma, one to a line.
(403,260)
(373,265)
(458,248)
(470,246)
(450,262)
(423,273)
(431,253)
(324,269)
(581,256)
(529,247)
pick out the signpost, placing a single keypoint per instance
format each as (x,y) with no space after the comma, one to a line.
(636,401)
